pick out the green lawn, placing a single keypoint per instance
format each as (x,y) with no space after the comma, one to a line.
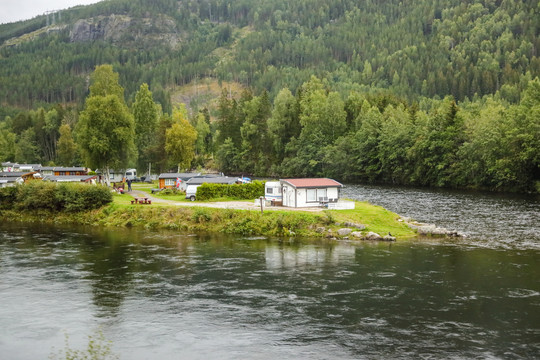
(375,218)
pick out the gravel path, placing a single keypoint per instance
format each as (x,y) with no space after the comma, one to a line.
(238,205)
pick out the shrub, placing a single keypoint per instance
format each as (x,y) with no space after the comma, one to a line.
(40,195)
(75,197)
(8,196)
(37,195)
(171,191)
(236,191)
(201,215)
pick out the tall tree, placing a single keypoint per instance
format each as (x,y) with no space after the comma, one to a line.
(283,125)
(180,140)
(106,129)
(7,144)
(145,113)
(66,148)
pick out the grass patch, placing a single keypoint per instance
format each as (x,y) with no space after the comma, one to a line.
(281,223)
(375,218)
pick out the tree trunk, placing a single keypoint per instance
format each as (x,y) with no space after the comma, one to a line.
(107,176)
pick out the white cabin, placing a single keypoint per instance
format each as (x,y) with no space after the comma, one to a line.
(310,192)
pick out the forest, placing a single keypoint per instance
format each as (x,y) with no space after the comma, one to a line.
(432,93)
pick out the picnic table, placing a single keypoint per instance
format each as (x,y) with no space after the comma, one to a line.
(141,200)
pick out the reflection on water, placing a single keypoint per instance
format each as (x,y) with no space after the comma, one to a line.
(286,257)
(164,295)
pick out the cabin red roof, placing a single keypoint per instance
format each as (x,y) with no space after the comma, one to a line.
(312,183)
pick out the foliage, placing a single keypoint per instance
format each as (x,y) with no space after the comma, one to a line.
(106,127)
(74,197)
(8,196)
(247,191)
(145,113)
(171,191)
(180,140)
(420,48)
(41,195)
(97,349)
(345,89)
(66,148)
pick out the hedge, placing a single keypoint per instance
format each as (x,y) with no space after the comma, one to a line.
(248,191)
(41,195)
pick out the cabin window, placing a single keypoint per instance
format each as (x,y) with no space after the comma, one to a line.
(269,190)
(170,182)
(313,195)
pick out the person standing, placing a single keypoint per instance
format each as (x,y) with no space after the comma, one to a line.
(129,184)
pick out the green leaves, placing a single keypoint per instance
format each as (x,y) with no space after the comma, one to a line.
(106,129)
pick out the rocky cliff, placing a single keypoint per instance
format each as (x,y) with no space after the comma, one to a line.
(121,28)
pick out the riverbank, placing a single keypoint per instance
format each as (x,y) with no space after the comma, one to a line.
(363,222)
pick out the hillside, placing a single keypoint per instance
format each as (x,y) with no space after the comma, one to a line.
(427,93)
(412,48)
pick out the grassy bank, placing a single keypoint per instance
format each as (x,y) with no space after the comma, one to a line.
(120,213)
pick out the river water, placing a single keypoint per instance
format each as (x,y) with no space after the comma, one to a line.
(164,295)
(487,219)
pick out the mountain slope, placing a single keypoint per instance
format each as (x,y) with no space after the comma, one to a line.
(412,48)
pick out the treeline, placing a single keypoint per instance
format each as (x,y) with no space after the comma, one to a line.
(483,144)
(413,48)
(487,143)
(108,133)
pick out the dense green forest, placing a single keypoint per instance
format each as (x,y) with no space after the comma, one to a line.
(435,93)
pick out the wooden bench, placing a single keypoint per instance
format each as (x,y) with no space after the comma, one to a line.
(141,201)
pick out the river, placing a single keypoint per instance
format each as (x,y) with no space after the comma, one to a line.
(487,219)
(180,296)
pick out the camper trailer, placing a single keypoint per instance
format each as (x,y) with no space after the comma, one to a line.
(272,192)
(131,174)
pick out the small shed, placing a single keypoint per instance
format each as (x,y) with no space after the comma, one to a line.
(175,180)
(309,192)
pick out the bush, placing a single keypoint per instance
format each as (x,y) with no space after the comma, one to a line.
(201,215)
(74,197)
(249,191)
(40,195)
(171,191)
(8,196)
(37,195)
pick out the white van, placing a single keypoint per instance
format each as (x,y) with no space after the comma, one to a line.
(191,192)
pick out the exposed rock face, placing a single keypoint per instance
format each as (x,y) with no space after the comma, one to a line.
(344,232)
(121,28)
(83,31)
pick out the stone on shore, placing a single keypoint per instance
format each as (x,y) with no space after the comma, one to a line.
(354,225)
(372,236)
